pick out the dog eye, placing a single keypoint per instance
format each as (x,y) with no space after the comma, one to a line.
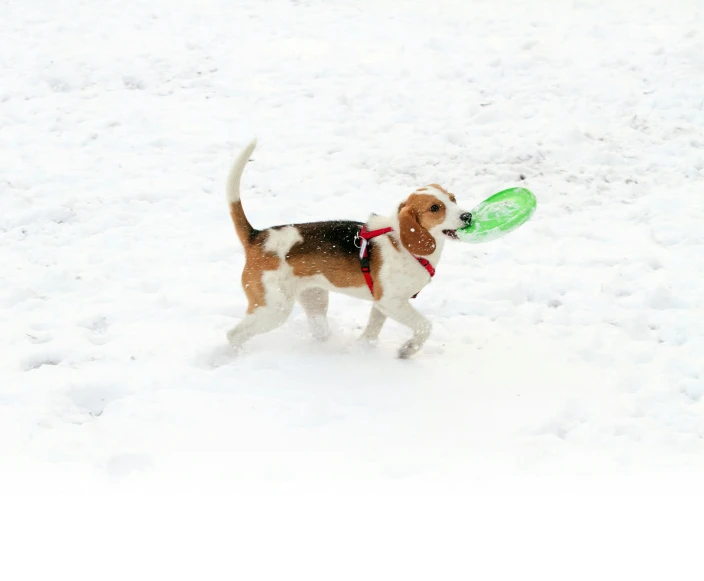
(434,208)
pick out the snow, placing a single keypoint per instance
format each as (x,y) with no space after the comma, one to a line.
(567,356)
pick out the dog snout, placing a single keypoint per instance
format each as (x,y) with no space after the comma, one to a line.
(466,218)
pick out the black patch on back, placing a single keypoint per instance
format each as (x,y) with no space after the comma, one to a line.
(332,238)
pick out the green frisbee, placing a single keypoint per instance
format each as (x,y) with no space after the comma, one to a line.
(498,215)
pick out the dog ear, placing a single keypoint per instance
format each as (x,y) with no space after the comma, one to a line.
(414,237)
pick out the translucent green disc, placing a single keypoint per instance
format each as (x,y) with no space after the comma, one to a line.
(498,215)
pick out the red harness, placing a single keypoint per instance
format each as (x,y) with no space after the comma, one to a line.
(365,236)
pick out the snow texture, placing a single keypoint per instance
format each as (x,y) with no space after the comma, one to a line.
(569,353)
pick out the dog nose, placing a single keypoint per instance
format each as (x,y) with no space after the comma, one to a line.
(466,218)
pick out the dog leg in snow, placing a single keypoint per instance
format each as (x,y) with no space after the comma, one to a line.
(315,304)
(402,312)
(262,320)
(376,322)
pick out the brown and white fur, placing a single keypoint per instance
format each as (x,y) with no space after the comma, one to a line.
(305,262)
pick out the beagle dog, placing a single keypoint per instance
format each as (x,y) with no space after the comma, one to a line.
(387,261)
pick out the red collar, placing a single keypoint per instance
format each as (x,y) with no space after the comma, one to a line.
(365,236)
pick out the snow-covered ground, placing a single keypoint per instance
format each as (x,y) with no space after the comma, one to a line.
(568,355)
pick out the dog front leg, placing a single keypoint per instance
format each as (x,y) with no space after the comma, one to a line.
(402,312)
(376,322)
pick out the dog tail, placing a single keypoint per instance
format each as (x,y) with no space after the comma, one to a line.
(242,226)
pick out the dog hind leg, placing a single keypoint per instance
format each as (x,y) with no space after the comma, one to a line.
(261,319)
(315,304)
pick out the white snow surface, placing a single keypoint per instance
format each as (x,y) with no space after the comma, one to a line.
(567,355)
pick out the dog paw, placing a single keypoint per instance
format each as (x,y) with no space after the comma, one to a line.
(320,329)
(236,339)
(408,350)
(367,341)
(321,335)
(216,356)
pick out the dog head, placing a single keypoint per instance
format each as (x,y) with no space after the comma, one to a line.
(428,215)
